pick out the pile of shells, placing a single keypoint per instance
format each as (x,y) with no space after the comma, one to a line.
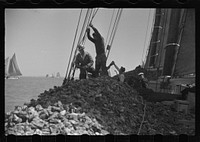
(96,106)
(53,120)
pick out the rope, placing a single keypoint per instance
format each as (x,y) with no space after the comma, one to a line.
(142,118)
(73,43)
(179,41)
(114,30)
(94,14)
(83,39)
(153,22)
(88,22)
(86,17)
(145,36)
(84,24)
(110,26)
(116,26)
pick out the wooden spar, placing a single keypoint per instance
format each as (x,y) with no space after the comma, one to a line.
(172,38)
(178,42)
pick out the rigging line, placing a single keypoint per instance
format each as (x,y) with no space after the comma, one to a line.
(116,26)
(142,118)
(78,42)
(118,18)
(94,14)
(82,39)
(110,26)
(111,34)
(90,19)
(183,21)
(115,31)
(73,42)
(146,35)
(163,25)
(88,22)
(152,28)
(84,24)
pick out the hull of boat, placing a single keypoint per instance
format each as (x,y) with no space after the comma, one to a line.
(12,78)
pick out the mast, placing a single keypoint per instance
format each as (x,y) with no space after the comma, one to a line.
(155,40)
(185,56)
(172,44)
(179,40)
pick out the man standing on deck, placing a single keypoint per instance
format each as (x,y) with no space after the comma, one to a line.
(121,71)
(84,62)
(98,41)
(143,80)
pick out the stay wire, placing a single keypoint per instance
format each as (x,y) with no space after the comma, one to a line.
(78,43)
(76,48)
(145,36)
(73,43)
(114,25)
(142,118)
(85,26)
(110,26)
(92,14)
(115,29)
(88,21)
(153,24)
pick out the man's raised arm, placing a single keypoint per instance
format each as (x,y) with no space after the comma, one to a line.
(95,30)
(88,35)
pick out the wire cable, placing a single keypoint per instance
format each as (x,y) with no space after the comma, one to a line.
(142,118)
(146,35)
(72,66)
(114,30)
(73,43)
(88,19)
(110,25)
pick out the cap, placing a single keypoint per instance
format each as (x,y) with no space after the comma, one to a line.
(141,73)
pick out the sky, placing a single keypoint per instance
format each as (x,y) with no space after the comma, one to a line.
(42,38)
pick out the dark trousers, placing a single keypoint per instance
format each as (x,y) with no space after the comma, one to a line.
(185,92)
(100,63)
(83,72)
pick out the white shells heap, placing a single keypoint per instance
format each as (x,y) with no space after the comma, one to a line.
(50,121)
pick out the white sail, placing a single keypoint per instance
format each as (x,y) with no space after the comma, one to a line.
(58,75)
(6,66)
(13,69)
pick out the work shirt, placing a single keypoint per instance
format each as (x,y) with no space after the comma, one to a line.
(144,82)
(85,60)
(121,77)
(99,42)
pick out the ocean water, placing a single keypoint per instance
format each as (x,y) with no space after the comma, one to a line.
(19,91)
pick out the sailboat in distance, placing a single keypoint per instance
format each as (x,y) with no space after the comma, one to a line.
(6,66)
(12,71)
(58,75)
